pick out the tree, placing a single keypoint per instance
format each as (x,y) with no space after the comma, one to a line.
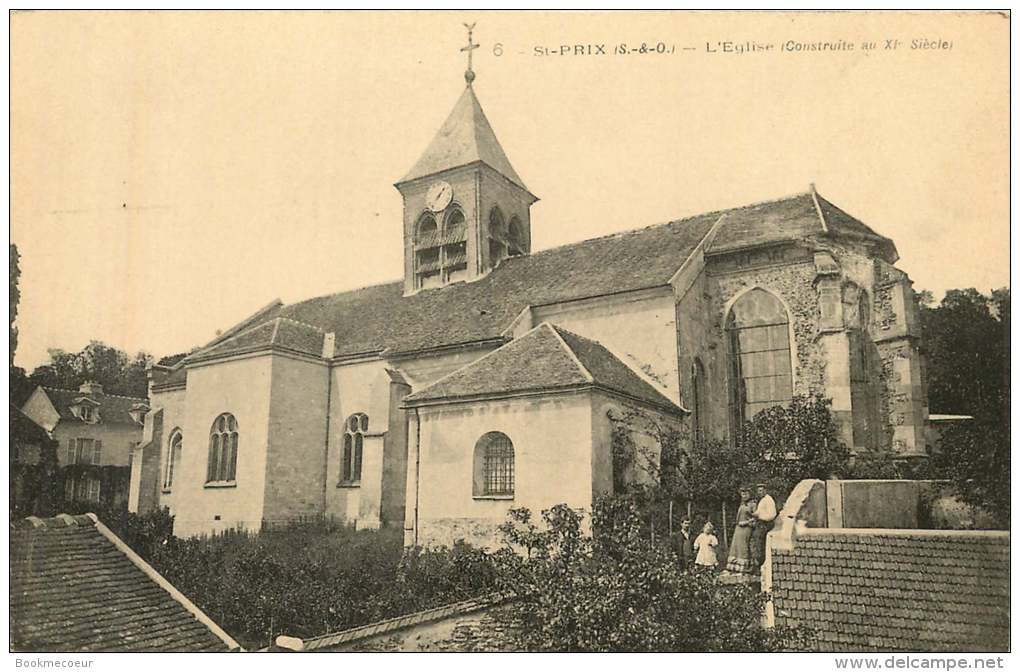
(15,298)
(112,368)
(966,339)
(967,342)
(781,445)
(976,458)
(613,590)
(787,444)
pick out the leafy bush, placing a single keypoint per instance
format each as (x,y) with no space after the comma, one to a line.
(975,458)
(309,580)
(615,591)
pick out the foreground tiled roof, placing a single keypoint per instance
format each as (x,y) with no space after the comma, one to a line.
(896,590)
(545,358)
(380,319)
(339,639)
(113,409)
(76,588)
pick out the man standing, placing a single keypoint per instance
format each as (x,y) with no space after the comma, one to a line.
(683,545)
(764,518)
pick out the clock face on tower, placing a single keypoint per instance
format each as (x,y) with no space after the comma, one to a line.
(439,196)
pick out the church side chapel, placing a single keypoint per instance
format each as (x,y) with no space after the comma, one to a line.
(490,376)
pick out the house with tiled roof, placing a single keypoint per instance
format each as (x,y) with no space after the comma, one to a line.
(92,429)
(445,395)
(76,587)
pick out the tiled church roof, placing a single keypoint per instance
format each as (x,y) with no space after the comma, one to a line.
(545,358)
(280,331)
(466,137)
(75,587)
(893,590)
(380,318)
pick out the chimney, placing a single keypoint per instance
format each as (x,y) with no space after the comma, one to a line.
(90,387)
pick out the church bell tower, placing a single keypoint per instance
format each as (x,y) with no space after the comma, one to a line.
(465,207)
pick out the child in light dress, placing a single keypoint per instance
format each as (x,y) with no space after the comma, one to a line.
(705,546)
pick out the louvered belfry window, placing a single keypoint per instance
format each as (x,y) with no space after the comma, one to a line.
(760,357)
(496,452)
(222,450)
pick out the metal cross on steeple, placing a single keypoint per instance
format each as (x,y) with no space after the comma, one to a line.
(469,74)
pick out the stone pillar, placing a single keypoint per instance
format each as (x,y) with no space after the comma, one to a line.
(833,340)
(143,491)
(394,470)
(411,506)
(370,497)
(896,332)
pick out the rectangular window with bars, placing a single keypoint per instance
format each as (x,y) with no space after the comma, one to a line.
(499,467)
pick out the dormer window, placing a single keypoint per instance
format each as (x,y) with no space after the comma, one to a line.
(138,412)
(85,410)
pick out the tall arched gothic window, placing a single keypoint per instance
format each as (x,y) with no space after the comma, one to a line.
(494,466)
(354,440)
(760,357)
(222,466)
(173,458)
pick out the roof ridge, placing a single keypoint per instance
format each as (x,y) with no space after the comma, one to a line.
(233,337)
(303,324)
(654,385)
(711,213)
(100,394)
(573,355)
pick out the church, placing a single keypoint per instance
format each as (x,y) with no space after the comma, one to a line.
(492,376)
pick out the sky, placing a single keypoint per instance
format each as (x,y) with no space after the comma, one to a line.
(172,173)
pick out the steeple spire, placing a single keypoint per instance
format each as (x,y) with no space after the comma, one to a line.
(469,74)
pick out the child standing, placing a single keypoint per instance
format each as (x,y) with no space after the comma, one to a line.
(705,545)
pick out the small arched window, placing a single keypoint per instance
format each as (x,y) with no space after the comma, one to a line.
(173,458)
(426,231)
(494,466)
(354,439)
(222,450)
(761,366)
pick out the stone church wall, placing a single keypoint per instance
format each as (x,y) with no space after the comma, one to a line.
(296,458)
(552,443)
(359,387)
(240,387)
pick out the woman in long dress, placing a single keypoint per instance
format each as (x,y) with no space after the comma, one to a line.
(739,560)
